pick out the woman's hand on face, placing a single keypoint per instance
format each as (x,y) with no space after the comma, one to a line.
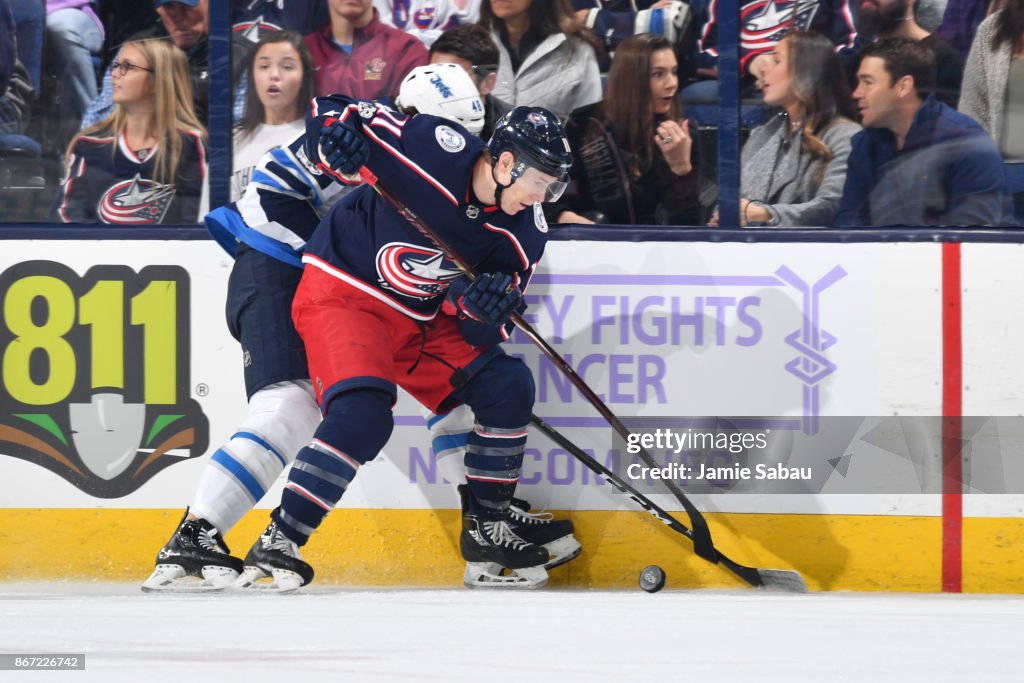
(675,143)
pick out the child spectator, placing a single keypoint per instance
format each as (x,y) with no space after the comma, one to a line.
(280,82)
(146,162)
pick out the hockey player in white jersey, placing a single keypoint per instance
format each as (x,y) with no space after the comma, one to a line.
(266,232)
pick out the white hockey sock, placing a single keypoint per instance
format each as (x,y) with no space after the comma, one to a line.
(448,435)
(281,420)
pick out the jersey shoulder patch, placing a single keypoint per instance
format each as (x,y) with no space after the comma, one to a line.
(449,139)
(538,218)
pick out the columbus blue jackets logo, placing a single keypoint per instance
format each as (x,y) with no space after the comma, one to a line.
(765,22)
(255,29)
(136,201)
(414,271)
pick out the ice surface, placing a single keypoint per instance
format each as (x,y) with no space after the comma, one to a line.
(329,634)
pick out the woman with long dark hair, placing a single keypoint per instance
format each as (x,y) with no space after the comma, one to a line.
(993,86)
(281,82)
(635,160)
(794,165)
(547,57)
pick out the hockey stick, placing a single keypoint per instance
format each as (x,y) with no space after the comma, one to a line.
(769,579)
(699,535)
(702,543)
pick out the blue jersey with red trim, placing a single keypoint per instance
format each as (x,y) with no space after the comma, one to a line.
(108,182)
(428,162)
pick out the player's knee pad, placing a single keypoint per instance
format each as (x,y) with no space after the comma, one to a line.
(284,415)
(501,394)
(357,422)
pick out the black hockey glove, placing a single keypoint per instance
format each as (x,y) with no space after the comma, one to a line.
(490,299)
(342,148)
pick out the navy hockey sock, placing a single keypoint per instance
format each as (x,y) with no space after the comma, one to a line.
(501,396)
(356,426)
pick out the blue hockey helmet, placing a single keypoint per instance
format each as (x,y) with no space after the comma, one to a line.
(536,138)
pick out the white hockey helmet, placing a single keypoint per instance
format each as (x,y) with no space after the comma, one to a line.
(444,90)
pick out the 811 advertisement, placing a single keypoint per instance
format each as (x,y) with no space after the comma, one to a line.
(95,373)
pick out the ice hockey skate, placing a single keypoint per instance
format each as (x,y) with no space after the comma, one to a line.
(196,559)
(495,556)
(541,528)
(276,557)
(555,535)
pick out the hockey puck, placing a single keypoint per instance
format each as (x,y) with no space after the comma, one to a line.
(652,578)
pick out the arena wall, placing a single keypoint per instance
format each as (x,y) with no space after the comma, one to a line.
(898,332)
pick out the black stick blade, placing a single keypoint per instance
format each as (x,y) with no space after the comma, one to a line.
(782,580)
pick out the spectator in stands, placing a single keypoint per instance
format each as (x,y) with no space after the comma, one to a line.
(357,54)
(471,47)
(74,36)
(794,165)
(427,19)
(993,87)
(960,23)
(281,81)
(146,162)
(16,93)
(633,160)
(615,20)
(547,58)
(252,20)
(762,26)
(8,44)
(918,162)
(187,22)
(30,25)
(879,19)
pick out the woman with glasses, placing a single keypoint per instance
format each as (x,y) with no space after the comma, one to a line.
(145,163)
(281,82)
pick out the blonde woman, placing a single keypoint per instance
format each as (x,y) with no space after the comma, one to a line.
(145,163)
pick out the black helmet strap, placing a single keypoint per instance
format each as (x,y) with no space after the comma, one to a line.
(516,171)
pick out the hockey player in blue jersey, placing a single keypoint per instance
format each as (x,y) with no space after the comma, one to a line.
(266,231)
(368,309)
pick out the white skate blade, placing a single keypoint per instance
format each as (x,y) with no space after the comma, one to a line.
(561,550)
(493,576)
(280,580)
(172,578)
